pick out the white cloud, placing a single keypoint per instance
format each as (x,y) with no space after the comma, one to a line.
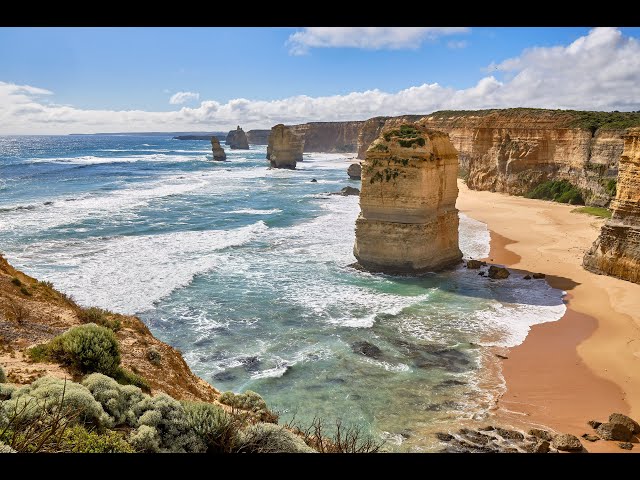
(179,98)
(600,71)
(373,38)
(453,44)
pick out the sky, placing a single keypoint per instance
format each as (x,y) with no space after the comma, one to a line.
(88,80)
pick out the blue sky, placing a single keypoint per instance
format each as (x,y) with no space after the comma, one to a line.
(58,80)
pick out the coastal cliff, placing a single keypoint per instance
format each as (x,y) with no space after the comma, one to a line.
(285,147)
(616,251)
(408,221)
(237,139)
(329,136)
(514,150)
(258,137)
(217,150)
(33,312)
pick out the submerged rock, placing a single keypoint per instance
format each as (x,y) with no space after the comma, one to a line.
(589,437)
(625,445)
(527,277)
(474,264)
(367,349)
(538,276)
(509,434)
(444,437)
(498,273)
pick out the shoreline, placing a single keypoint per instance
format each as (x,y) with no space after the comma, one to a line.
(577,368)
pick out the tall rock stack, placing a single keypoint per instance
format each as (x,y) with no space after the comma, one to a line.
(285,147)
(408,221)
(217,150)
(237,139)
(616,251)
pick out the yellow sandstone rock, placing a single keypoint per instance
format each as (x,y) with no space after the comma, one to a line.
(408,221)
(616,252)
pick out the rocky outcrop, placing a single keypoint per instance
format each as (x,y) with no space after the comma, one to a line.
(514,150)
(237,139)
(354,171)
(285,147)
(616,251)
(329,136)
(45,313)
(218,151)
(408,221)
(566,443)
(258,137)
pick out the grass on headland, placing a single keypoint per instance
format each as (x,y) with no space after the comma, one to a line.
(595,211)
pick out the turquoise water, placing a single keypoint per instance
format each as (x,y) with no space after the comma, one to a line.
(245,270)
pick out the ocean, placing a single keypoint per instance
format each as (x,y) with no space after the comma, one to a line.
(245,270)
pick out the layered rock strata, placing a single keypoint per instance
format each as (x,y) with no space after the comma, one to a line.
(285,147)
(217,150)
(237,139)
(408,221)
(258,137)
(616,251)
(514,150)
(329,136)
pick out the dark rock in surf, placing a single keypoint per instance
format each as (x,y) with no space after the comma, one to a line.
(367,349)
(498,273)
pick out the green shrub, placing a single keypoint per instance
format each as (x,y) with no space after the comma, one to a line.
(16,281)
(77,439)
(154,356)
(217,429)
(100,317)
(611,187)
(117,400)
(251,402)
(561,191)
(6,390)
(163,427)
(25,291)
(39,353)
(3,376)
(270,438)
(127,377)
(88,348)
(46,393)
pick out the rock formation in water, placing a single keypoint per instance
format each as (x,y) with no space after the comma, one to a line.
(514,150)
(285,147)
(408,221)
(258,137)
(354,171)
(616,251)
(218,151)
(237,139)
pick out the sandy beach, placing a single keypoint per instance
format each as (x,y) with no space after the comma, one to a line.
(584,366)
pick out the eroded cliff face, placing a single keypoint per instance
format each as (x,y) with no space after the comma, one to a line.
(514,150)
(237,139)
(217,150)
(285,147)
(616,251)
(258,137)
(408,221)
(329,136)
(35,317)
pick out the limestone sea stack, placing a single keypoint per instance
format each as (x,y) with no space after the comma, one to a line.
(408,221)
(218,151)
(237,139)
(285,147)
(616,251)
